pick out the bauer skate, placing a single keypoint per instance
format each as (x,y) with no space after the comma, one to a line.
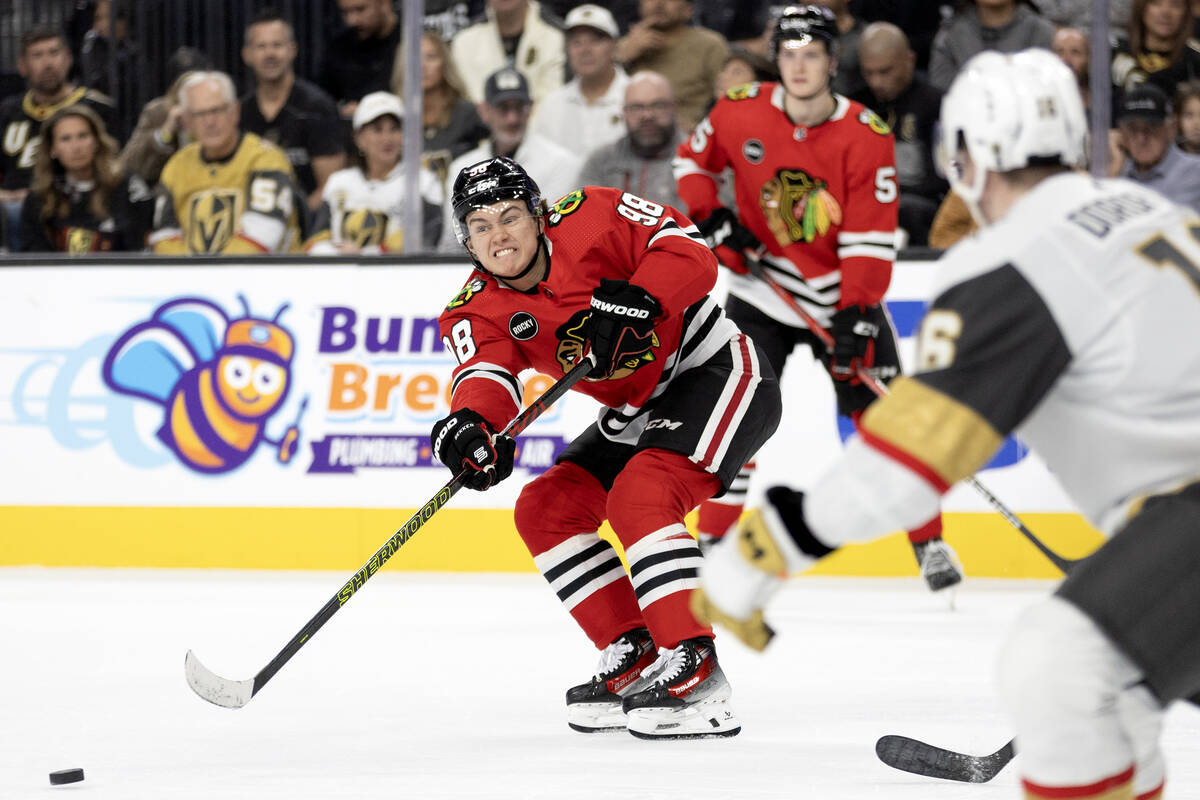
(688,696)
(596,705)
(939,565)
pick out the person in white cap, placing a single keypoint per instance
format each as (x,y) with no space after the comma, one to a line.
(586,113)
(362,209)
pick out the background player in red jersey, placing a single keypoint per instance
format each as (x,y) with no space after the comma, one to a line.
(815,181)
(686,400)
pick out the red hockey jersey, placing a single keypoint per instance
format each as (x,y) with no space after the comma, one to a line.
(822,200)
(496,332)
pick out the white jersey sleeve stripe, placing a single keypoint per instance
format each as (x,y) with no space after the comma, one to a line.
(868,250)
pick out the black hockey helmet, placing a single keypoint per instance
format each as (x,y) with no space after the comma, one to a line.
(489,182)
(804,24)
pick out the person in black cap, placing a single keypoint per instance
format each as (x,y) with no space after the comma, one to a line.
(1146,149)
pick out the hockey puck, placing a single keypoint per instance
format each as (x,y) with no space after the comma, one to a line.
(66,776)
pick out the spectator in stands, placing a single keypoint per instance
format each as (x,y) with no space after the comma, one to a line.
(1073,47)
(910,106)
(450,121)
(586,112)
(1159,48)
(1187,103)
(288,111)
(44,62)
(80,200)
(664,40)
(919,19)
(1003,25)
(640,161)
(742,23)
(625,12)
(447,17)
(160,131)
(741,67)
(97,50)
(363,206)
(505,110)
(516,34)
(848,81)
(1147,151)
(227,192)
(359,59)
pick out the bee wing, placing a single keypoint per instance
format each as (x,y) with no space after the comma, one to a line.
(199,323)
(147,361)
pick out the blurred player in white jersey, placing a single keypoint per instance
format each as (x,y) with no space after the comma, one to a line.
(815,177)
(1073,318)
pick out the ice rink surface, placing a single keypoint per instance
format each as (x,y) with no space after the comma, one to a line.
(451,686)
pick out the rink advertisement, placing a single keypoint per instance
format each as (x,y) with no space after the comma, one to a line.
(278,415)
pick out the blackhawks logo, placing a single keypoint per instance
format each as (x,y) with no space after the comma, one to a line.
(570,348)
(566,205)
(473,287)
(798,207)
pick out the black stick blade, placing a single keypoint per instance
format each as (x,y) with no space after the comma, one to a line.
(919,758)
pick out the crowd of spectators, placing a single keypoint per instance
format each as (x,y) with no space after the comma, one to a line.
(578,93)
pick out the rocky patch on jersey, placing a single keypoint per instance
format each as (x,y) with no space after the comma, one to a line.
(523,326)
(752,149)
(798,207)
(567,204)
(571,342)
(473,287)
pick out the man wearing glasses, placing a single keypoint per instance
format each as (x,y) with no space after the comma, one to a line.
(640,161)
(228,192)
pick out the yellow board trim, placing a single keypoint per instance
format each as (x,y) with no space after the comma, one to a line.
(950,438)
(456,540)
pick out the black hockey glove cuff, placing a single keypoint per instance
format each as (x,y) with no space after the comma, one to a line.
(620,328)
(855,331)
(722,229)
(464,441)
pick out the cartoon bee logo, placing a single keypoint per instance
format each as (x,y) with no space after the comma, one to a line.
(218,380)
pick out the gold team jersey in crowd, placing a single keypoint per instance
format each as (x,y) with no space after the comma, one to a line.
(246,203)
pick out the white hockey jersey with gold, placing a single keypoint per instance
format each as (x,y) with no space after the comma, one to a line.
(246,203)
(1074,321)
(369,214)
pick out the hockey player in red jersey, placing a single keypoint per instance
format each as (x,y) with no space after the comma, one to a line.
(686,400)
(815,181)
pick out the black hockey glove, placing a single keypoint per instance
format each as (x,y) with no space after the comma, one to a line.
(855,330)
(620,328)
(728,238)
(463,440)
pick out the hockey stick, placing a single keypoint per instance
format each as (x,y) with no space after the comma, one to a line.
(235,694)
(920,758)
(880,390)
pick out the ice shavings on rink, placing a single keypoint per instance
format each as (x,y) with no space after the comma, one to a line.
(451,686)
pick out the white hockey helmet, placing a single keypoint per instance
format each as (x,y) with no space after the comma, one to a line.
(1010,111)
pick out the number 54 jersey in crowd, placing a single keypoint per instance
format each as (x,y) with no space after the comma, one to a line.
(496,332)
(1075,321)
(820,199)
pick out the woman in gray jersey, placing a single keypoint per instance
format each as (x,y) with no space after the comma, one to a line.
(1072,318)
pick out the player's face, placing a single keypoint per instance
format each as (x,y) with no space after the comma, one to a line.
(887,73)
(503,236)
(1163,18)
(381,141)
(211,118)
(432,64)
(269,50)
(804,70)
(74,145)
(45,65)
(589,52)
(1189,121)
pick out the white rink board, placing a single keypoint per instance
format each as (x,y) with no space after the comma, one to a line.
(72,441)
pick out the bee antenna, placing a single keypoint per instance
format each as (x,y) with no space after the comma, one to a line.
(279,313)
(245,305)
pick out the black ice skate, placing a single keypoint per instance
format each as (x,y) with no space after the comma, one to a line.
(596,705)
(688,697)
(939,565)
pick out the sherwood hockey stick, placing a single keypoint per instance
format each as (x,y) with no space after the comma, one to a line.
(920,758)
(1063,563)
(235,694)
